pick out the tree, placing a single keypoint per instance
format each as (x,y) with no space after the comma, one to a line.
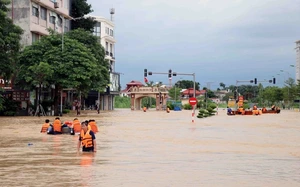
(38,74)
(101,79)
(222,85)
(79,9)
(74,67)
(272,94)
(10,36)
(186,84)
(174,93)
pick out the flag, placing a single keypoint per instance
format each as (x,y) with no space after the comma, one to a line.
(145,79)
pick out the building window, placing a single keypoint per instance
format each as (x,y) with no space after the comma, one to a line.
(59,22)
(66,4)
(43,13)
(52,19)
(106,46)
(67,25)
(107,30)
(111,33)
(35,11)
(97,29)
(111,49)
(35,37)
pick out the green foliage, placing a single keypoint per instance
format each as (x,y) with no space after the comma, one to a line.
(122,102)
(73,67)
(174,93)
(186,84)
(66,111)
(79,9)
(148,102)
(10,107)
(187,106)
(10,36)
(101,78)
(1,98)
(210,111)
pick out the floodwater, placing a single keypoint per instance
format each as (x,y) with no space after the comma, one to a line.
(136,148)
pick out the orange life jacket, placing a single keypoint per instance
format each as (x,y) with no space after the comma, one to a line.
(94,127)
(68,123)
(57,125)
(86,139)
(76,126)
(45,127)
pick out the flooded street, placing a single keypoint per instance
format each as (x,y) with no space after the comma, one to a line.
(155,149)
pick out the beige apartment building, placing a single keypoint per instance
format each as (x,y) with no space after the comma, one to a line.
(104,29)
(36,16)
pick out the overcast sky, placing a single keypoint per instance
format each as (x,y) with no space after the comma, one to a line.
(219,40)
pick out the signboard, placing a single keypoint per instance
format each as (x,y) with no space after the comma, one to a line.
(115,82)
(5,84)
(193,101)
(17,95)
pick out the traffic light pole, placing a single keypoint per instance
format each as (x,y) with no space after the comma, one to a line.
(175,74)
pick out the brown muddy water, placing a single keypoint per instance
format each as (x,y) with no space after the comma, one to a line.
(155,149)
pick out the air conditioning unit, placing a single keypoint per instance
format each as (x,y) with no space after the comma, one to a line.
(56,5)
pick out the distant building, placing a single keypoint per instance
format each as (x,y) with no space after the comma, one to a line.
(297,67)
(104,29)
(36,16)
(188,93)
(126,91)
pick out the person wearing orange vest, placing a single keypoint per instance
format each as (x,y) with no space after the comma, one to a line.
(93,125)
(45,126)
(57,126)
(87,139)
(76,126)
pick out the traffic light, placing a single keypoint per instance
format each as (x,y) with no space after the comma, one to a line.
(150,73)
(174,73)
(235,93)
(274,80)
(170,73)
(145,72)
(255,81)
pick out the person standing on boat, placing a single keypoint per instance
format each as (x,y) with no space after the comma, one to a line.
(87,139)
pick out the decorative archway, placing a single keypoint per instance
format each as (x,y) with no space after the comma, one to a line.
(138,93)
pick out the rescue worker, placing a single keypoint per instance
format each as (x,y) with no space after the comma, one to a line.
(241,110)
(45,126)
(87,139)
(57,126)
(255,110)
(145,108)
(76,125)
(93,125)
(168,110)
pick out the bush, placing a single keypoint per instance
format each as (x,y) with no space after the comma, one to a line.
(66,111)
(187,106)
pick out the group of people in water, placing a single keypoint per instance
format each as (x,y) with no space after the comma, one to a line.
(86,130)
(255,110)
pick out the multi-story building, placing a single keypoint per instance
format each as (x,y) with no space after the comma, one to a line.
(104,29)
(36,16)
(297,67)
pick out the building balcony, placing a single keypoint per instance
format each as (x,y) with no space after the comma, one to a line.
(61,10)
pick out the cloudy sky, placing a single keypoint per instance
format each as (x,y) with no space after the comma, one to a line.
(219,40)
